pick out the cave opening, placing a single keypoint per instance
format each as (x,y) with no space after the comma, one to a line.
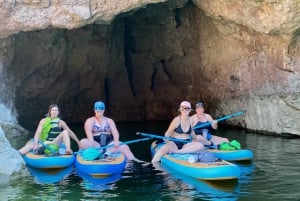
(139,59)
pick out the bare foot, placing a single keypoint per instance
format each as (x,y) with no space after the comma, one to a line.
(139,161)
(68,152)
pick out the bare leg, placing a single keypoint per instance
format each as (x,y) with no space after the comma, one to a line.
(127,152)
(85,143)
(65,138)
(218,140)
(202,140)
(168,147)
(27,148)
(191,147)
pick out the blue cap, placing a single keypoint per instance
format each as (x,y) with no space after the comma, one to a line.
(99,105)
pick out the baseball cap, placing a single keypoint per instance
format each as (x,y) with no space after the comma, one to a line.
(185,104)
(99,105)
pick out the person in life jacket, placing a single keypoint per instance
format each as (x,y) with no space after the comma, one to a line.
(204,134)
(51,129)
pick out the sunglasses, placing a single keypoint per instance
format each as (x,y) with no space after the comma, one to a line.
(200,104)
(186,108)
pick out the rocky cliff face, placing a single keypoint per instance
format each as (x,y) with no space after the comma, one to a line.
(29,15)
(11,162)
(143,57)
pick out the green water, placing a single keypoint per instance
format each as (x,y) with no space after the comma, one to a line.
(273,175)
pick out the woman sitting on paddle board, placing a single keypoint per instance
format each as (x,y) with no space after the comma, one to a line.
(51,129)
(204,135)
(181,129)
(101,131)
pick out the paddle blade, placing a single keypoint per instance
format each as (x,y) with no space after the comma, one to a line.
(90,154)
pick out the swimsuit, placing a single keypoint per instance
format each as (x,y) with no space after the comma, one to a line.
(179,130)
(104,136)
(199,131)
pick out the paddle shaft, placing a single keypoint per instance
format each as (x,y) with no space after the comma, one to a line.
(221,119)
(46,146)
(111,145)
(161,137)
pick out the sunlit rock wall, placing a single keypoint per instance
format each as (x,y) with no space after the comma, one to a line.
(29,15)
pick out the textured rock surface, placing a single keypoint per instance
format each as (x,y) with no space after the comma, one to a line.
(29,15)
(227,65)
(266,16)
(11,162)
(231,54)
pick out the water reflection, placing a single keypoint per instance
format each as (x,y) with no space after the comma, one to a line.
(98,184)
(50,176)
(41,186)
(182,187)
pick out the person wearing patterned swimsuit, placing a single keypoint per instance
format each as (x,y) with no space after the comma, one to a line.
(101,130)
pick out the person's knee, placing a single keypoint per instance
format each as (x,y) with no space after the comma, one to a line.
(200,146)
(84,143)
(124,147)
(197,145)
(65,133)
(165,148)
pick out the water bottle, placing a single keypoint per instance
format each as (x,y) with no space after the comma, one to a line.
(204,133)
(62,149)
(192,159)
(103,138)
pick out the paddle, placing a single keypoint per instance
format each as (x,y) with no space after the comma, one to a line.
(221,119)
(161,137)
(93,153)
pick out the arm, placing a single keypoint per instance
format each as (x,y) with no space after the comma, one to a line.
(214,123)
(38,134)
(114,131)
(88,126)
(194,136)
(172,127)
(71,133)
(193,120)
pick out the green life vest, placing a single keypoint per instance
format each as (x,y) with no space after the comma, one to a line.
(50,129)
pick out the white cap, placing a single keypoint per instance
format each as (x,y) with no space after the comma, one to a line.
(185,104)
